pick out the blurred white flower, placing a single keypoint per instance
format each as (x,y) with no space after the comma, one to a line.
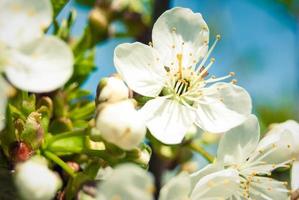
(127,181)
(218,185)
(169,72)
(120,124)
(31,60)
(35,181)
(112,89)
(291,127)
(241,150)
(295,176)
(3,100)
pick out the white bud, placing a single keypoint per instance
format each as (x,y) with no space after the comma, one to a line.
(112,89)
(120,124)
(35,181)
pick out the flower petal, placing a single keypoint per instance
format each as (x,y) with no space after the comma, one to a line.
(233,97)
(209,169)
(190,38)
(167,120)
(177,188)
(273,151)
(264,188)
(40,66)
(218,185)
(222,107)
(238,143)
(140,67)
(287,126)
(3,100)
(127,181)
(295,175)
(22,21)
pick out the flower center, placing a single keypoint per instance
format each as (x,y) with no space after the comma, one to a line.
(181,86)
(187,84)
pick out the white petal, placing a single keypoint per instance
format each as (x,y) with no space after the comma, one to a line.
(233,97)
(177,188)
(218,185)
(238,143)
(3,100)
(287,126)
(263,188)
(127,181)
(140,67)
(22,21)
(273,151)
(226,106)
(213,116)
(41,66)
(190,37)
(167,120)
(209,169)
(295,175)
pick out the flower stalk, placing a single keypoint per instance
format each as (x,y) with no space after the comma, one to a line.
(199,149)
(60,162)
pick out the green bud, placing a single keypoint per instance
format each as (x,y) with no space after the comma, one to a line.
(33,133)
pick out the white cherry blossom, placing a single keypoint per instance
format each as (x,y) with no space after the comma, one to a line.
(120,124)
(35,181)
(3,100)
(173,71)
(31,60)
(241,150)
(218,185)
(292,127)
(126,181)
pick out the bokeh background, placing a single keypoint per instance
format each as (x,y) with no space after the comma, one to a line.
(260,42)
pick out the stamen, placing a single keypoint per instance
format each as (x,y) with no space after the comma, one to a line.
(207,68)
(212,80)
(218,37)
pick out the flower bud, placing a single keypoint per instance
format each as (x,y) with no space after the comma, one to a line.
(112,89)
(35,181)
(120,124)
(20,152)
(98,20)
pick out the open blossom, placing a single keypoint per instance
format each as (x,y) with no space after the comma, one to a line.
(241,150)
(31,60)
(291,127)
(173,72)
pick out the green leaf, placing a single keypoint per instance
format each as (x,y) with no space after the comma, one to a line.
(83,112)
(84,65)
(69,145)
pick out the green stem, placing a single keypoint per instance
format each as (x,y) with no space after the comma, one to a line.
(60,162)
(66,135)
(202,151)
